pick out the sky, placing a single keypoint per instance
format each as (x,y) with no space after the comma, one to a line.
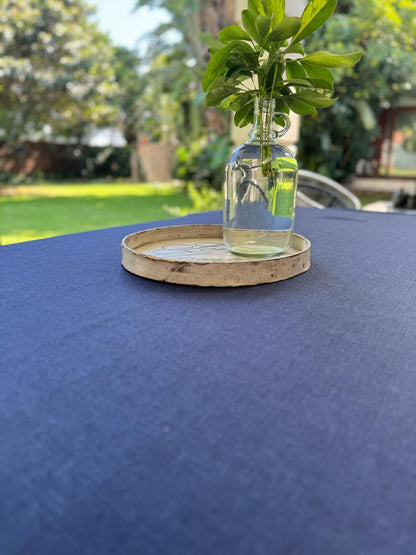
(125,27)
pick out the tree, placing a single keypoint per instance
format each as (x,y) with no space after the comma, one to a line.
(56,70)
(333,141)
(149,100)
(191,19)
(131,103)
(178,63)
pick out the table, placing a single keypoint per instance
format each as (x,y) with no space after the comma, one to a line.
(140,417)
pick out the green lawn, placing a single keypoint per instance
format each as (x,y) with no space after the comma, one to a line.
(367,197)
(44,210)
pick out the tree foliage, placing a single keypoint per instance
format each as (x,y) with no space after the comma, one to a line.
(177,56)
(193,20)
(132,86)
(334,141)
(56,69)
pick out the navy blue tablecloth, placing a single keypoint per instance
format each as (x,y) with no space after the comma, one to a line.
(140,417)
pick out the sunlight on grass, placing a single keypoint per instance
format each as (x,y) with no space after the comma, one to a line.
(98,190)
(31,212)
(28,235)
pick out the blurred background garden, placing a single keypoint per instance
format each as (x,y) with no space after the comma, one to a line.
(103,120)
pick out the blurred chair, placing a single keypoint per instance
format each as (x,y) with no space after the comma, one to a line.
(319,191)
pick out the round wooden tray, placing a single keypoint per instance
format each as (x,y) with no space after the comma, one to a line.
(196,255)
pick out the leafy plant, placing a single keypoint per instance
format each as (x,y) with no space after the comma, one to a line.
(203,163)
(265,58)
(203,199)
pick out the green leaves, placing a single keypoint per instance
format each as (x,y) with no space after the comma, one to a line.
(262,15)
(313,98)
(285,29)
(248,19)
(314,16)
(299,107)
(332,60)
(295,71)
(244,115)
(256,6)
(232,32)
(306,101)
(241,100)
(218,61)
(273,75)
(219,91)
(263,25)
(215,66)
(275,9)
(295,49)
(259,51)
(321,77)
(317,72)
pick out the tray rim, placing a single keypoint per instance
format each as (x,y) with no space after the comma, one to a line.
(243,260)
(243,272)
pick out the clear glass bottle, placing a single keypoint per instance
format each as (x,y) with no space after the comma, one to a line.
(260,189)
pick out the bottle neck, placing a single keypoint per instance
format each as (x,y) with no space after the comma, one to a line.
(263,131)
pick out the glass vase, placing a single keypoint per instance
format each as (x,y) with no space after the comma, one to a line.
(260,189)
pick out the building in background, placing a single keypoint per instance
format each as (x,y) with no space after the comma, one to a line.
(396,148)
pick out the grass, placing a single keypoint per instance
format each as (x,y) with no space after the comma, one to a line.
(30,212)
(367,197)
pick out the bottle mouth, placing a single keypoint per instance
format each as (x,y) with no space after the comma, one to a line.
(256,136)
(265,117)
(264,103)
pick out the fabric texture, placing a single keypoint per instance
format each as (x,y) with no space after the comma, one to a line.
(140,417)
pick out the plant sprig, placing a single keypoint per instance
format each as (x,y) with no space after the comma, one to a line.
(267,52)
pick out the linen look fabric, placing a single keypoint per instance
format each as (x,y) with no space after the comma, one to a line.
(139,417)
